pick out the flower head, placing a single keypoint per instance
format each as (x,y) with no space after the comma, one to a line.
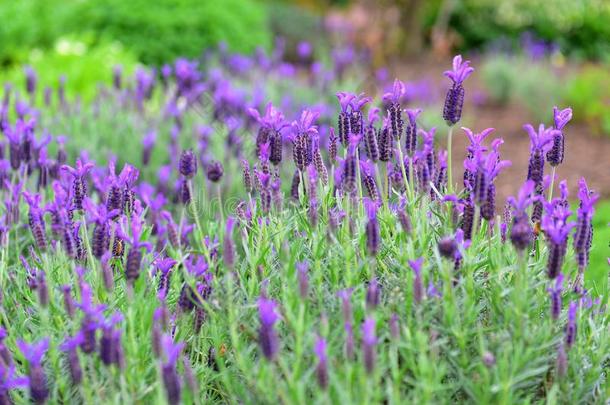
(461,70)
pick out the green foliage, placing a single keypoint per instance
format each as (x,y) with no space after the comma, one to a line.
(83,65)
(578,26)
(517,79)
(156,32)
(600,251)
(588,92)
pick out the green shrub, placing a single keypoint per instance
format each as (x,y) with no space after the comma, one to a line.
(517,79)
(588,92)
(156,32)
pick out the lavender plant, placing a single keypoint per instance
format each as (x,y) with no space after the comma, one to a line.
(378,281)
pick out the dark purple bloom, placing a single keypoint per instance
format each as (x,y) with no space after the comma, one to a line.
(571,325)
(267,336)
(188,164)
(215,171)
(369,340)
(538,142)
(454,101)
(373,236)
(411,131)
(134,257)
(584,229)
(418,284)
(555,294)
(33,353)
(561,118)
(79,186)
(171,380)
(393,99)
(70,346)
(35,220)
(322,366)
(8,382)
(521,233)
(370,136)
(557,237)
(373,294)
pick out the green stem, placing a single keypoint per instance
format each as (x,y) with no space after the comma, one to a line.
(552,183)
(449,165)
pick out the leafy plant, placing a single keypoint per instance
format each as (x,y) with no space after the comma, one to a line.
(589,92)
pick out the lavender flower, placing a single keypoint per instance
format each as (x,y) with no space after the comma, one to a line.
(418,284)
(35,220)
(394,110)
(538,142)
(188,164)
(555,294)
(322,366)
(561,118)
(369,340)
(70,346)
(584,229)
(370,135)
(411,131)
(303,279)
(171,380)
(134,257)
(373,294)
(521,233)
(33,353)
(79,187)
(8,382)
(571,325)
(267,336)
(557,236)
(214,171)
(302,143)
(454,101)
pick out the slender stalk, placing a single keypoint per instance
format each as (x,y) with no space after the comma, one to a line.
(552,183)
(449,161)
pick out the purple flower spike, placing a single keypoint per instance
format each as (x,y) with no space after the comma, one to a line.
(418,284)
(34,353)
(583,236)
(555,294)
(373,236)
(398,91)
(303,278)
(571,328)
(369,340)
(345,100)
(9,381)
(454,101)
(557,235)
(70,346)
(79,186)
(267,337)
(228,246)
(322,367)
(521,234)
(171,380)
(411,131)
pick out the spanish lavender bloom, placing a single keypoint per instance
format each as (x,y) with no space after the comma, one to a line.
(134,257)
(369,340)
(411,131)
(521,233)
(8,382)
(562,361)
(394,110)
(215,171)
(188,164)
(555,294)
(350,167)
(370,135)
(35,220)
(302,143)
(538,142)
(454,101)
(70,346)
(319,162)
(267,337)
(228,246)
(100,242)
(108,341)
(265,190)
(30,80)
(332,146)
(385,141)
(33,353)
(489,359)
(171,380)
(79,187)
(164,268)
(557,236)
(367,171)
(68,301)
(373,294)
(373,237)
(89,323)
(322,367)
(418,284)
(584,230)
(303,278)
(43,289)
(270,126)
(571,325)
(561,119)
(343,124)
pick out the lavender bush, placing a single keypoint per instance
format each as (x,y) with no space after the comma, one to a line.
(289,251)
